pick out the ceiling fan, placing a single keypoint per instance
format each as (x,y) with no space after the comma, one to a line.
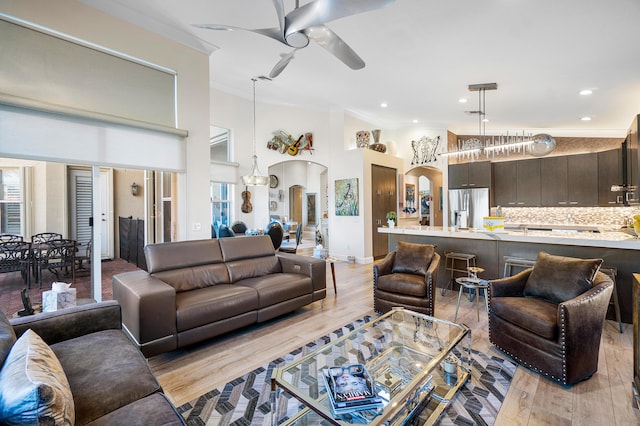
(306,23)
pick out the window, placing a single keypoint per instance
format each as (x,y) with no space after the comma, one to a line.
(220,203)
(10,201)
(219,144)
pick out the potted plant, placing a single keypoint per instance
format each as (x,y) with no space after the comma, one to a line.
(392,218)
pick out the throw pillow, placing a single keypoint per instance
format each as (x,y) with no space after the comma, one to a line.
(33,387)
(413,258)
(560,278)
(7,338)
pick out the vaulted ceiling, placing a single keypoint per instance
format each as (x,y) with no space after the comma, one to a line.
(421,55)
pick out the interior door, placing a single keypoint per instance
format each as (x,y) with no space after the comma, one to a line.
(295,204)
(80,196)
(384,199)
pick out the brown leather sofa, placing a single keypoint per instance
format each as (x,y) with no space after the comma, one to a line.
(109,379)
(407,278)
(199,289)
(550,318)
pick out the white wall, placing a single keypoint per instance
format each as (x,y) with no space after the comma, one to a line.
(236,113)
(76,19)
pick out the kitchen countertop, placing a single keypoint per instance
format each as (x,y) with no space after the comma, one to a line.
(604,238)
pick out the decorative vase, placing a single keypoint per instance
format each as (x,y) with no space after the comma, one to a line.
(362,139)
(376,135)
(391,223)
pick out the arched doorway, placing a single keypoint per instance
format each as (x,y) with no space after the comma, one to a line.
(434,176)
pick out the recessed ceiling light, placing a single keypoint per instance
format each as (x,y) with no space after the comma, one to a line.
(383,105)
(586,92)
(462,100)
(585,118)
(415,121)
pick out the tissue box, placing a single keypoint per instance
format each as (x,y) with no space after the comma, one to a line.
(55,300)
(493,223)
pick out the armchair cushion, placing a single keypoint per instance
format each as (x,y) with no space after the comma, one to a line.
(409,284)
(413,258)
(558,278)
(535,315)
(33,387)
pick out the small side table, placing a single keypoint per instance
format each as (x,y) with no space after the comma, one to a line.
(475,284)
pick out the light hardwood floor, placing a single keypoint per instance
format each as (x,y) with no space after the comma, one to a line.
(605,399)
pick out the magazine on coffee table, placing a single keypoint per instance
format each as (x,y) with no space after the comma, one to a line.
(350,388)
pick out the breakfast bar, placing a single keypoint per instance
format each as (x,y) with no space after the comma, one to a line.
(619,250)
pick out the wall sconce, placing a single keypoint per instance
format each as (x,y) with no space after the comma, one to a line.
(134,189)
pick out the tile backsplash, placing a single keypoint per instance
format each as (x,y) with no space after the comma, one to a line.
(604,216)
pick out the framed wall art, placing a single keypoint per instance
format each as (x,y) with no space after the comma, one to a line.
(347,197)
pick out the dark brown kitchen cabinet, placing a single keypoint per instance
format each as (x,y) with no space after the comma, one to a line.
(384,199)
(553,180)
(470,175)
(516,183)
(609,173)
(570,180)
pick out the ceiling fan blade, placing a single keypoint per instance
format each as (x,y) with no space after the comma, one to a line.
(282,64)
(320,12)
(326,38)
(273,33)
(279,5)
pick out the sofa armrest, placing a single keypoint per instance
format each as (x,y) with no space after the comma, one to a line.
(383,266)
(148,306)
(306,265)
(72,322)
(509,286)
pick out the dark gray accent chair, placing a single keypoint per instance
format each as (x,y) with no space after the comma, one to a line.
(110,380)
(407,278)
(550,318)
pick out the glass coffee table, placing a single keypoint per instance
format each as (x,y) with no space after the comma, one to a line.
(416,362)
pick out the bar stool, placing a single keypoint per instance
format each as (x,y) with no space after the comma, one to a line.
(469,259)
(612,272)
(511,261)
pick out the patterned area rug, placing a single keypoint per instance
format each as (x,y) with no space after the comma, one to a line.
(245,400)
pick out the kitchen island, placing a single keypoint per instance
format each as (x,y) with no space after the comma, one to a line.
(618,249)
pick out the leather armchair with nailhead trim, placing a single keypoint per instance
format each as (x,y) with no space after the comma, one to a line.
(560,340)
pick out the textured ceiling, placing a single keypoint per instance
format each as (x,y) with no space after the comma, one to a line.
(422,54)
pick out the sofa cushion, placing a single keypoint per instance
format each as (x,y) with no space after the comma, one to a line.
(407,284)
(207,305)
(275,288)
(252,268)
(105,372)
(413,258)
(7,337)
(181,254)
(152,410)
(33,385)
(185,279)
(560,278)
(246,247)
(536,315)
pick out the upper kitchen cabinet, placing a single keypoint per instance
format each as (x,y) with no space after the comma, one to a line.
(470,175)
(609,173)
(569,180)
(516,183)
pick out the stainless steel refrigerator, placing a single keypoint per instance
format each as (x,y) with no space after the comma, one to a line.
(467,207)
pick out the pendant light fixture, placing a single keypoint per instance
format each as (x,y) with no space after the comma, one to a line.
(472,148)
(255,177)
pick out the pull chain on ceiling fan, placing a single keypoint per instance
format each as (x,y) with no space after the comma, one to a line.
(306,23)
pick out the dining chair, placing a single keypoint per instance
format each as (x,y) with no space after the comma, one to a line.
(56,256)
(11,238)
(298,241)
(14,256)
(43,237)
